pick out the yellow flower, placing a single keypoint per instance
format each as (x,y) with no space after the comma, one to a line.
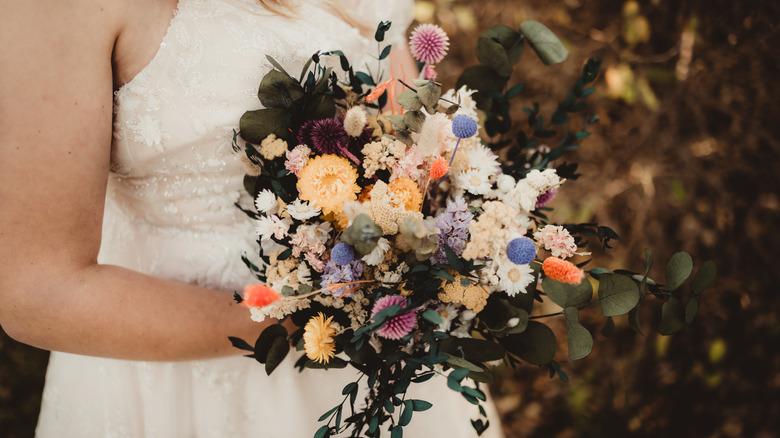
(328,181)
(473,297)
(407,193)
(318,338)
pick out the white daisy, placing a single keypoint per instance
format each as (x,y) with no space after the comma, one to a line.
(514,278)
(272,226)
(266,202)
(475,181)
(302,210)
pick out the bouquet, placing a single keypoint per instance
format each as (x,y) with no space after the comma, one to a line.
(407,236)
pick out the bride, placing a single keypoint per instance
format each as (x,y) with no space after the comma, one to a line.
(120,244)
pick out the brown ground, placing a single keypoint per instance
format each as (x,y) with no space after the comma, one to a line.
(687,159)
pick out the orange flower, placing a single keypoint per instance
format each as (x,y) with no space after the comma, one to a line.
(407,193)
(328,181)
(259,295)
(563,271)
(374,95)
(439,168)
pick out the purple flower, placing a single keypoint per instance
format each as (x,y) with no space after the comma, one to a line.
(398,326)
(453,225)
(464,126)
(521,251)
(429,43)
(545,197)
(335,273)
(326,136)
(341,254)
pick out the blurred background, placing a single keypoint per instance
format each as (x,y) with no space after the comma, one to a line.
(686,156)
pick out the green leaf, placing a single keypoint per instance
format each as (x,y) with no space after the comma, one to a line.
(508,38)
(691,309)
(477,350)
(618,294)
(429,94)
(409,100)
(672,317)
(266,340)
(649,263)
(633,321)
(421,405)
(406,414)
(414,120)
(704,278)
(678,269)
(385,52)
(397,432)
(398,121)
(329,413)
(459,362)
(335,362)
(322,432)
(432,316)
(278,351)
(580,339)
(544,42)
(492,54)
(536,345)
(240,344)
(568,295)
(256,125)
(483,79)
(270,91)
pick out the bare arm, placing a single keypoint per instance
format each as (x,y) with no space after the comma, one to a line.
(56,85)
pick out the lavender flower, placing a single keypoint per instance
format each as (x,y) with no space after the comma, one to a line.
(453,227)
(345,273)
(429,43)
(341,254)
(398,326)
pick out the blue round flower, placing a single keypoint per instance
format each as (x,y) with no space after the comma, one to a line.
(464,126)
(341,254)
(521,251)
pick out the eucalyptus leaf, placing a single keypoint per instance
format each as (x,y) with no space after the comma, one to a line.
(691,309)
(536,345)
(510,40)
(397,120)
(429,94)
(276,354)
(397,432)
(270,91)
(414,120)
(568,295)
(704,277)
(609,328)
(493,54)
(256,125)
(421,405)
(322,432)
(409,100)
(579,338)
(678,269)
(544,42)
(672,317)
(266,340)
(477,350)
(633,321)
(458,362)
(483,79)
(618,294)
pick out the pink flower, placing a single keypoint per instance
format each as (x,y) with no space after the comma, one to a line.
(557,240)
(297,158)
(429,43)
(409,165)
(398,326)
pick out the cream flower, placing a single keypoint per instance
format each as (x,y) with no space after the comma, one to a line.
(301,210)
(514,278)
(272,226)
(272,147)
(266,202)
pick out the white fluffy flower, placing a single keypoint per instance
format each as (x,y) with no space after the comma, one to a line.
(505,183)
(304,273)
(272,226)
(355,121)
(266,202)
(302,210)
(481,157)
(448,313)
(376,256)
(468,106)
(432,134)
(544,180)
(514,278)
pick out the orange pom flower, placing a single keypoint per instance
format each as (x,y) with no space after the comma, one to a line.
(439,168)
(259,295)
(374,95)
(563,271)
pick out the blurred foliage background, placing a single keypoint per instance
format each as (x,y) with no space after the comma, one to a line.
(686,156)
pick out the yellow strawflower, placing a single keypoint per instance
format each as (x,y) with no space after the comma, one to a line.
(318,339)
(328,181)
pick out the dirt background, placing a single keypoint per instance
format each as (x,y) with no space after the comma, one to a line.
(686,156)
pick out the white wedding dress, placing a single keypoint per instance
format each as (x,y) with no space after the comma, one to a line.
(170,213)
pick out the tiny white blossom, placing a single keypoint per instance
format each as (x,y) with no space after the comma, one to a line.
(376,256)
(302,210)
